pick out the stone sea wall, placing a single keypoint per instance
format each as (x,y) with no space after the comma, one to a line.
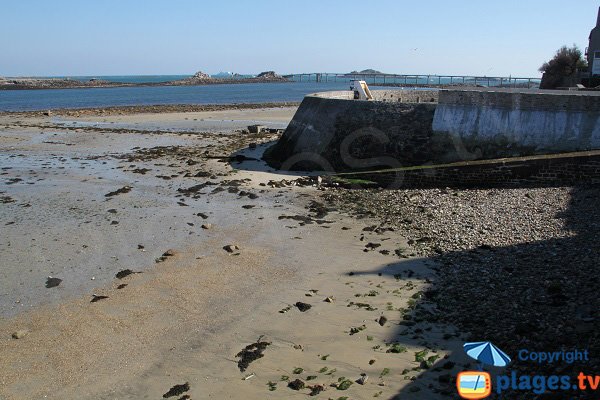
(331,132)
(492,124)
(399,128)
(535,171)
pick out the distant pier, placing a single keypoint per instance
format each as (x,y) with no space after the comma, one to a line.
(419,80)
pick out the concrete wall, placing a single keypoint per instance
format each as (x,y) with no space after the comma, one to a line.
(332,132)
(492,124)
(401,96)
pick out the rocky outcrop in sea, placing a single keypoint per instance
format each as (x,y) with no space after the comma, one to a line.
(199,78)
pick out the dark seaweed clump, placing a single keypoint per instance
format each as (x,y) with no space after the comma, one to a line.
(251,353)
(177,390)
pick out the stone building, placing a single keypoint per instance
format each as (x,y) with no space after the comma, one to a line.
(593,50)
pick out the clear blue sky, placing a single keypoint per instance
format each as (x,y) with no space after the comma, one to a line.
(127,37)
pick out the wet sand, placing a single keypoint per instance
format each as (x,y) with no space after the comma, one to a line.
(190,310)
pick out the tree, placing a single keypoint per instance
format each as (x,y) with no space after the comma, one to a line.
(565,63)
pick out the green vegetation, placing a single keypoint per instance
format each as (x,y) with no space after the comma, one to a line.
(396,348)
(420,355)
(565,63)
(430,361)
(352,181)
(343,383)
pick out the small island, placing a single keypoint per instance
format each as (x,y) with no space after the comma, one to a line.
(199,78)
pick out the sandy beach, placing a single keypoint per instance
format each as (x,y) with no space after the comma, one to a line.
(84,198)
(153,254)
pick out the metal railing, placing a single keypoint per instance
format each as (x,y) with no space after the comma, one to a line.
(419,80)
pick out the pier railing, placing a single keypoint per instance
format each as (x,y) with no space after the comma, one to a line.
(419,80)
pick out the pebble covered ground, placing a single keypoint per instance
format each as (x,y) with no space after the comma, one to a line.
(518,267)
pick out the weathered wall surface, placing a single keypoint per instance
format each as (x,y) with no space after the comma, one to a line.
(534,171)
(333,133)
(492,124)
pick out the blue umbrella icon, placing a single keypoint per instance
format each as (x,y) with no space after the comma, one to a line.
(486,353)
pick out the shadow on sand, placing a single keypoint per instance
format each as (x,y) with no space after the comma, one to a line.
(539,296)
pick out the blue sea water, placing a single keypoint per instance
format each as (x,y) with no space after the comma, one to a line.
(43,99)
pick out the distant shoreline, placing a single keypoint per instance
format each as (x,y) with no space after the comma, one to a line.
(65,83)
(148,109)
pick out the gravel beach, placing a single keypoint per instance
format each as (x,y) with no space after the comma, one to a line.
(518,267)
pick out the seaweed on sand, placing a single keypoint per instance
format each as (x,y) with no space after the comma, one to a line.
(251,353)
(177,390)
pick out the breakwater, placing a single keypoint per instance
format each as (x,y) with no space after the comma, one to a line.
(400,128)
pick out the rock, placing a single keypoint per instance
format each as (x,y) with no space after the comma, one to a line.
(96,298)
(296,384)
(303,306)
(200,76)
(169,253)
(382,320)
(268,75)
(230,248)
(52,282)
(207,226)
(20,334)
(363,379)
(256,128)
(123,273)
(315,389)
